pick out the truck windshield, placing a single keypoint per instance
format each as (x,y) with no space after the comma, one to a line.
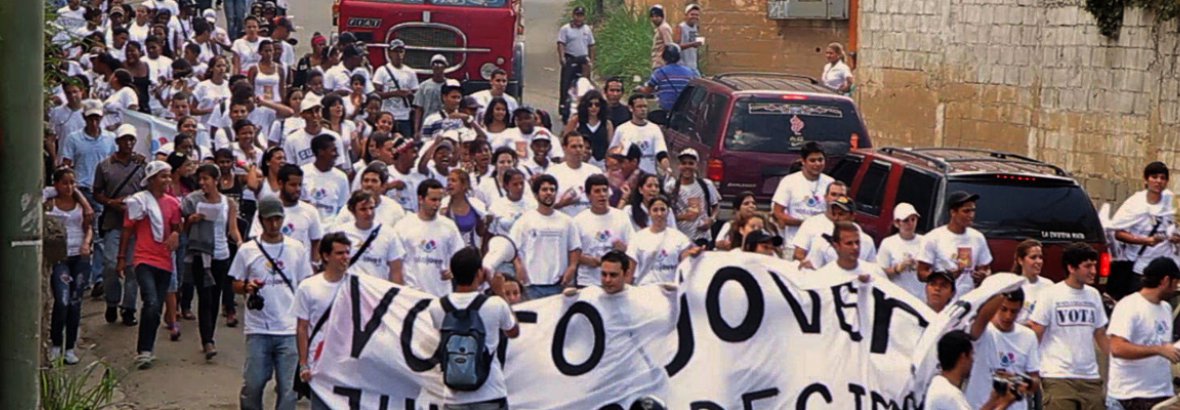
(775,125)
(1048,210)
(462,3)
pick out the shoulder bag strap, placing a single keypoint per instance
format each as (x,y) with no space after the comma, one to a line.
(276,266)
(365,246)
(1154,229)
(708,196)
(126,180)
(319,324)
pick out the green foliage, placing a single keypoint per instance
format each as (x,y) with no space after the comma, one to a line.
(1109,13)
(54,55)
(593,17)
(67,388)
(624,46)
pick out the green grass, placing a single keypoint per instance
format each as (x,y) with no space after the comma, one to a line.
(623,45)
(67,388)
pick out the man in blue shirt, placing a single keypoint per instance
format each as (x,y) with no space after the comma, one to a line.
(669,80)
(82,151)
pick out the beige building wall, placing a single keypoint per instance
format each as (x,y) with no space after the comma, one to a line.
(1027,76)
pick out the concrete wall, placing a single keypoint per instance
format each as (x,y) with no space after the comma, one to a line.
(739,37)
(1026,76)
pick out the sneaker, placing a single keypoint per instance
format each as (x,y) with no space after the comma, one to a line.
(54,353)
(112,314)
(144,360)
(72,357)
(129,318)
(210,351)
(97,291)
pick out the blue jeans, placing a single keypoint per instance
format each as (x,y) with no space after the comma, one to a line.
(68,281)
(266,356)
(153,285)
(97,249)
(235,14)
(119,292)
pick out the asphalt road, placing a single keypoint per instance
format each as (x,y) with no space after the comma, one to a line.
(180,378)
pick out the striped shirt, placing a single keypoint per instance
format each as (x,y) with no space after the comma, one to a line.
(669,81)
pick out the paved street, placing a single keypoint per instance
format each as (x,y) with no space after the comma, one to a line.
(180,378)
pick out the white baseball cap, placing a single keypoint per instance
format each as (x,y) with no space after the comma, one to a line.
(438,58)
(309,102)
(904,210)
(210,15)
(126,129)
(91,107)
(153,168)
(689,152)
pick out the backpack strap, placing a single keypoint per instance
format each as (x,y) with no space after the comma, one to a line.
(708,196)
(477,303)
(447,306)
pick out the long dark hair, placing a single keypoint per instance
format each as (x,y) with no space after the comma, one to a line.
(488,115)
(584,107)
(266,157)
(638,214)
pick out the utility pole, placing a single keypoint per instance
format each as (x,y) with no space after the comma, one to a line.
(21,135)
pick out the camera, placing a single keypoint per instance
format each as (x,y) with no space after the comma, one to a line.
(1010,382)
(255,301)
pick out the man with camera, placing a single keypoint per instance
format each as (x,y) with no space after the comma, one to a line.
(1140,340)
(1006,356)
(268,270)
(956,356)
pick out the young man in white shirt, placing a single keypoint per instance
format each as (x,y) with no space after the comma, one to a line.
(378,253)
(846,239)
(811,231)
(386,211)
(403,175)
(647,136)
(396,84)
(268,270)
(822,249)
(496,316)
(956,247)
(697,200)
(798,195)
(1141,227)
(324,186)
(428,241)
(297,144)
(1070,320)
(602,229)
(315,295)
(1007,349)
(1140,340)
(548,244)
(939,290)
(955,357)
(301,221)
(499,84)
(571,174)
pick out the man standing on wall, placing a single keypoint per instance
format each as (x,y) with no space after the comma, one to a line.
(662,36)
(688,37)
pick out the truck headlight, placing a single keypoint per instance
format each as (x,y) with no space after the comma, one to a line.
(486,70)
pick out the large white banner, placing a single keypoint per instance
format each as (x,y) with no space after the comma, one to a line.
(741,331)
(155,132)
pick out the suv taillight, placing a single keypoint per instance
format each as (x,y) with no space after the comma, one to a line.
(1104,264)
(715,170)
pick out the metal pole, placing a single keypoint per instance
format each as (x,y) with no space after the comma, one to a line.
(21,113)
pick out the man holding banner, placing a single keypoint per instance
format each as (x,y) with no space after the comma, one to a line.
(314,297)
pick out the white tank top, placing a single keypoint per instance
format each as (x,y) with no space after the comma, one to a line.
(220,243)
(73,222)
(267,84)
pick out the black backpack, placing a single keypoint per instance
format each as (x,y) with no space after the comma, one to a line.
(462,350)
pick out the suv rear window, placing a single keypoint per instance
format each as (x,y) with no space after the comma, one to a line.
(1047,209)
(775,125)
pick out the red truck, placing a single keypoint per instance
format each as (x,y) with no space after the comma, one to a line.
(476,36)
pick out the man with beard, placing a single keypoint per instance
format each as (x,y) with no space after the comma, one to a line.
(378,252)
(647,136)
(548,243)
(429,242)
(301,221)
(602,229)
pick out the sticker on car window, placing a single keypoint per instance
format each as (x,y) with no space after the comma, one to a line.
(779,108)
(797,125)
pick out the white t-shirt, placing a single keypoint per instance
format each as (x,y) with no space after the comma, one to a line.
(893,251)
(408,197)
(118,102)
(384,249)
(569,179)
(1146,324)
(387,213)
(692,195)
(297,146)
(313,297)
(209,95)
(801,198)
(657,254)
(835,75)
(544,243)
(1031,292)
(278,133)
(598,234)
(275,318)
(247,52)
(406,79)
(811,231)
(327,191)
(648,137)
(942,395)
(505,213)
(822,252)
(942,248)
(301,222)
(1070,317)
(1014,352)
(428,247)
(510,138)
(484,97)
(496,316)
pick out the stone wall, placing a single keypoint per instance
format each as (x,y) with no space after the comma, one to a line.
(1027,76)
(739,37)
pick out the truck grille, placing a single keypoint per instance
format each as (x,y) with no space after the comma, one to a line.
(430,37)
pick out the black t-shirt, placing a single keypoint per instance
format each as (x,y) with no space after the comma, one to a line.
(619,114)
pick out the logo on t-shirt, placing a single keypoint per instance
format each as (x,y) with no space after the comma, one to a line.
(271,267)
(1160,328)
(288,229)
(603,236)
(428,245)
(1007,359)
(319,193)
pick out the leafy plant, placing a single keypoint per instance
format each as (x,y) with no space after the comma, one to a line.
(63,388)
(624,46)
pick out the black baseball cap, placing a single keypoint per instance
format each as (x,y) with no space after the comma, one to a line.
(346,37)
(579,10)
(844,203)
(761,236)
(958,198)
(656,10)
(941,274)
(353,51)
(284,23)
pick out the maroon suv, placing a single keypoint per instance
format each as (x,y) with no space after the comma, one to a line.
(748,127)
(1020,198)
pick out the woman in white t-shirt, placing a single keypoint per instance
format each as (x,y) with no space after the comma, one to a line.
(657,250)
(213,90)
(70,274)
(246,48)
(505,210)
(1028,263)
(898,255)
(268,76)
(123,99)
(496,123)
(837,75)
(745,201)
(649,187)
(334,115)
(272,159)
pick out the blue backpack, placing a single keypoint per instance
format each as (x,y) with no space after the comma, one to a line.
(463,351)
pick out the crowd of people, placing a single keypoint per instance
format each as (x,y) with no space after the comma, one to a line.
(287,173)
